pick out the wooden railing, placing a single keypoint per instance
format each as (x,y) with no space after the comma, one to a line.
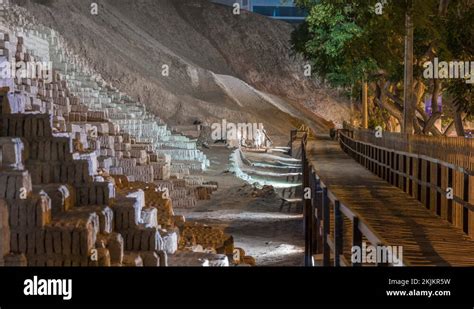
(443,187)
(323,208)
(292,139)
(294,136)
(458,151)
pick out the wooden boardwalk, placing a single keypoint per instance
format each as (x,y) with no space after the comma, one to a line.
(427,239)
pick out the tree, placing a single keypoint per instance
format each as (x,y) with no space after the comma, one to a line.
(409,106)
(461,46)
(346,41)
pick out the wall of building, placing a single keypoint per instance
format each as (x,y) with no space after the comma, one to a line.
(278,9)
(244,4)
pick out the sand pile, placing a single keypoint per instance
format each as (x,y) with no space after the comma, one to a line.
(220,65)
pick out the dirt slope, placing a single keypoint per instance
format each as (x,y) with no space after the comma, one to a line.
(221,66)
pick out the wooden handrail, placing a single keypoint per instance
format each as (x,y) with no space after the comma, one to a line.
(458,151)
(429,181)
(410,154)
(317,219)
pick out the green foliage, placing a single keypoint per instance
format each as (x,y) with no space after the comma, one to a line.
(463,95)
(334,42)
(345,40)
(461,46)
(375,122)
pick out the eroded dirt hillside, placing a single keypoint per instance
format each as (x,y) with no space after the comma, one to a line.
(221,66)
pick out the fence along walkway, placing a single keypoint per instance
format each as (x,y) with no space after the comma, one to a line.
(425,167)
(359,206)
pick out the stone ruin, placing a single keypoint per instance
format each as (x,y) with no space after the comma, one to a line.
(88,177)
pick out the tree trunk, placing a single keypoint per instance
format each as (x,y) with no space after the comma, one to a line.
(449,128)
(380,98)
(452,126)
(408,98)
(443,7)
(458,123)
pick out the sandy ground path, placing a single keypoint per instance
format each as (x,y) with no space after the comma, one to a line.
(271,236)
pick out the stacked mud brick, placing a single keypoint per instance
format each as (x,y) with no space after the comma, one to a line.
(210,243)
(148,150)
(202,190)
(121,109)
(161,166)
(35,165)
(62,140)
(183,196)
(207,236)
(192,131)
(139,226)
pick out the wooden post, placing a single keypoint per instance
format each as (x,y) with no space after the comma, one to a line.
(404,171)
(306,206)
(419,177)
(471,201)
(366,152)
(326,227)
(465,217)
(372,156)
(338,233)
(356,237)
(450,201)
(401,177)
(380,162)
(292,138)
(317,240)
(369,155)
(438,184)
(428,189)
(397,169)
(359,150)
(392,168)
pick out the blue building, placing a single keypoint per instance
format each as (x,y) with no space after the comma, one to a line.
(285,10)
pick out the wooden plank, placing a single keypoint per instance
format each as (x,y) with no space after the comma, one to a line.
(338,233)
(356,236)
(471,200)
(399,218)
(326,226)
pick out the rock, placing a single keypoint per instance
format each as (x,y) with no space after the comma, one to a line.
(201,259)
(249,260)
(15,260)
(116,248)
(132,259)
(169,241)
(150,259)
